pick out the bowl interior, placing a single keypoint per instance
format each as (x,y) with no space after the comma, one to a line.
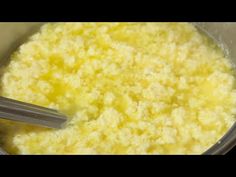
(12,35)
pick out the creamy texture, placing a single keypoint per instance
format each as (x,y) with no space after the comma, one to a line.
(127,88)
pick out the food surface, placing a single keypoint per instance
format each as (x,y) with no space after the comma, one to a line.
(127,88)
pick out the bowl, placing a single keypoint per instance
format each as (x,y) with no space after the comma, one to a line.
(12,35)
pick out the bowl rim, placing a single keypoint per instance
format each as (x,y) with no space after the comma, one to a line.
(225,144)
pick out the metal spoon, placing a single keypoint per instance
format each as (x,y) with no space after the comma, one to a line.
(32,114)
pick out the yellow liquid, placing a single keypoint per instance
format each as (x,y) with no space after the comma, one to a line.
(127,88)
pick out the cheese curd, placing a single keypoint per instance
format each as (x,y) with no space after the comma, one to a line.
(127,88)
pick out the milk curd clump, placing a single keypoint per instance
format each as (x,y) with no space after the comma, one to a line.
(127,88)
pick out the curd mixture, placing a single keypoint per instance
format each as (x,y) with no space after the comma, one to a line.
(127,88)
